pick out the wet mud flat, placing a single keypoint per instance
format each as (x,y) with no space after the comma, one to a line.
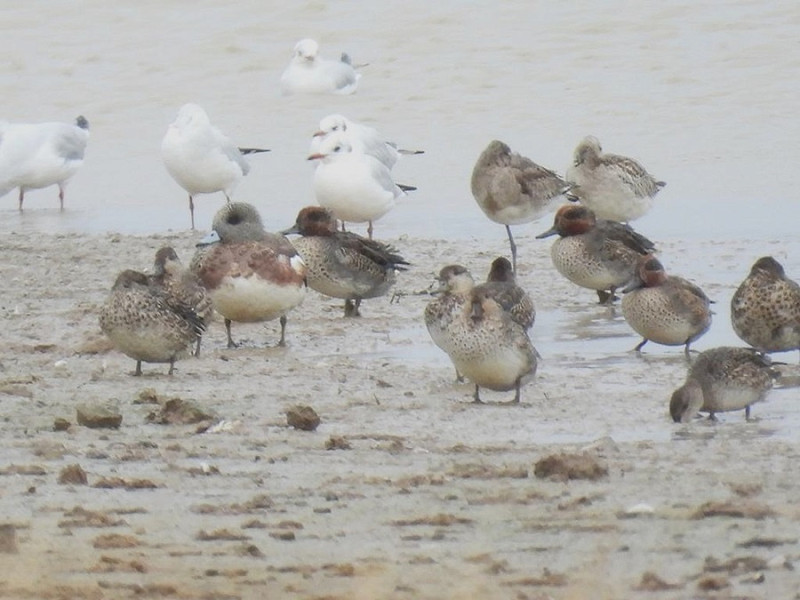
(405,489)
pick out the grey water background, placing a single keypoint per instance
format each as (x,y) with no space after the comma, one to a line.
(705,95)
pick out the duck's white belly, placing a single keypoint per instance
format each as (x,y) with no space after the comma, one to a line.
(252,299)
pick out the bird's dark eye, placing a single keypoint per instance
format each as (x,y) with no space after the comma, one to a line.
(337,149)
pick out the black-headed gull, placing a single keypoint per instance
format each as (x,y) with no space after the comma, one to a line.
(309,73)
(200,158)
(354,186)
(512,189)
(361,137)
(38,155)
(615,187)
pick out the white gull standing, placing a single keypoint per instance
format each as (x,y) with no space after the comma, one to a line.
(354,186)
(200,158)
(38,155)
(309,73)
(615,187)
(361,137)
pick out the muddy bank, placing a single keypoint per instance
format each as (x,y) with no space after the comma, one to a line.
(405,489)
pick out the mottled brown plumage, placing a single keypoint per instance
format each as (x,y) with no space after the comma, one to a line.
(501,286)
(342,264)
(595,253)
(455,285)
(482,339)
(765,309)
(615,187)
(722,379)
(182,286)
(148,320)
(512,189)
(665,309)
(251,275)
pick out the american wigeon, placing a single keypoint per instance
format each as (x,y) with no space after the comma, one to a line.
(250,274)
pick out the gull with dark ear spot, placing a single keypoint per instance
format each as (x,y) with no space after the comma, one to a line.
(720,380)
(665,309)
(200,158)
(341,264)
(251,275)
(355,187)
(38,155)
(595,253)
(765,309)
(152,320)
(615,187)
(361,138)
(309,73)
(511,189)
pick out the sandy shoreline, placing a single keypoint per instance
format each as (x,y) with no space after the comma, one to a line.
(434,498)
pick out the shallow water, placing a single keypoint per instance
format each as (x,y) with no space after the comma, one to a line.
(703,95)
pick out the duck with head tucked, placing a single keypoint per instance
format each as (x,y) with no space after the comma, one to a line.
(251,275)
(615,187)
(511,189)
(595,253)
(151,320)
(491,349)
(720,380)
(665,309)
(765,309)
(341,264)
